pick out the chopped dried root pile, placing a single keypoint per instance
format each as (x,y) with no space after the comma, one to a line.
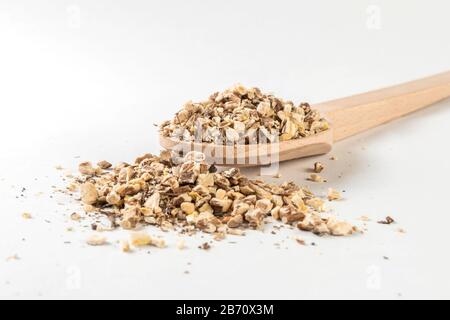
(190,196)
(243,116)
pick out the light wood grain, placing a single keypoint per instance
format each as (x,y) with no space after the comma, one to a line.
(256,154)
(359,113)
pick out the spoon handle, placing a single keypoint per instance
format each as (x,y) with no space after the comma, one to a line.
(361,112)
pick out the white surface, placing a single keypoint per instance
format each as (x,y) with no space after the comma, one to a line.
(88,79)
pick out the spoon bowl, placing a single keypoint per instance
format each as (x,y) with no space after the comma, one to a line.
(348,116)
(255,154)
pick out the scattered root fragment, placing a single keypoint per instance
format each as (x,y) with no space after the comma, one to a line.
(300,241)
(140,239)
(125,246)
(75,217)
(205,246)
(333,195)
(328,226)
(96,240)
(181,244)
(388,220)
(159,243)
(100,228)
(236,232)
(86,168)
(104,165)
(318,167)
(27,216)
(72,187)
(89,194)
(339,228)
(89,208)
(14,257)
(219,236)
(316,178)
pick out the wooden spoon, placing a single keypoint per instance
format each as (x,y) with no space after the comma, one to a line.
(347,116)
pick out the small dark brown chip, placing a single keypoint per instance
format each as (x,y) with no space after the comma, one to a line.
(205,246)
(387,221)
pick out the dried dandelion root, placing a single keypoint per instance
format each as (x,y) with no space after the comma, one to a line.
(191,196)
(388,221)
(316,178)
(333,195)
(96,240)
(125,246)
(140,239)
(27,216)
(318,167)
(244,116)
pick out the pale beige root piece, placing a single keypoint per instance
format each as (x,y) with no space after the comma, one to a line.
(140,239)
(96,240)
(316,178)
(27,216)
(72,187)
(86,168)
(334,195)
(14,257)
(125,246)
(75,217)
(340,228)
(89,193)
(181,245)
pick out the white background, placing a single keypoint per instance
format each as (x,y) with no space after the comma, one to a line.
(85,80)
